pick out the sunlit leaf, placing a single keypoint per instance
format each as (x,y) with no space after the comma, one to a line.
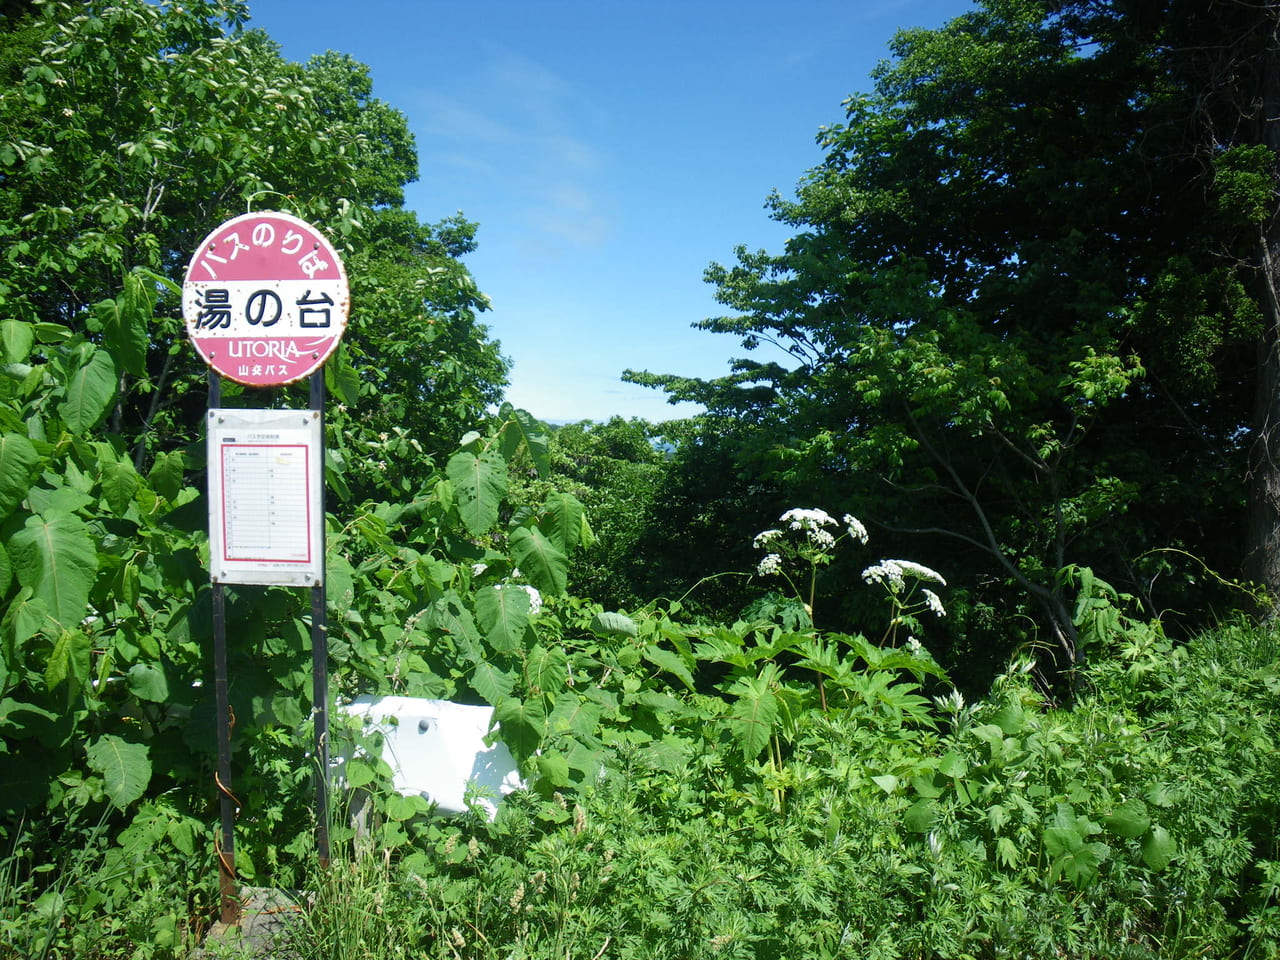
(1128,820)
(16,340)
(479,484)
(502,612)
(89,392)
(670,662)
(547,669)
(18,463)
(563,519)
(545,565)
(125,323)
(752,716)
(520,724)
(491,682)
(521,427)
(57,559)
(553,769)
(1158,848)
(341,378)
(921,816)
(125,768)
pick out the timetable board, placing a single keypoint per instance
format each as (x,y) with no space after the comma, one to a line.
(266,504)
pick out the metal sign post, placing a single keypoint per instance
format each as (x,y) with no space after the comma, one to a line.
(225,844)
(266,301)
(320,661)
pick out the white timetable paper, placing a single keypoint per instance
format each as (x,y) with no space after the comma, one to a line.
(266,510)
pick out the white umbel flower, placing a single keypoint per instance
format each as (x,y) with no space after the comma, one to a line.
(807,519)
(918,570)
(764,538)
(822,539)
(894,573)
(856,530)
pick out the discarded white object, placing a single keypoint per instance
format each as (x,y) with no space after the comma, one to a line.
(436,750)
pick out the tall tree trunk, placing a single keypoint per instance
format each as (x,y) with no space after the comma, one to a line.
(1263,558)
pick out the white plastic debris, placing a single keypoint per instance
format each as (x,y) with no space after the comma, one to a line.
(436,750)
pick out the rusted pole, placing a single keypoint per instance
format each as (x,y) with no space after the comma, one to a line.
(225,845)
(320,654)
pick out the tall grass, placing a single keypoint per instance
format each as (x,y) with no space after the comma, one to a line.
(1138,823)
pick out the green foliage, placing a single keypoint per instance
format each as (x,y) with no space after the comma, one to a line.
(1003,827)
(1001,327)
(842,799)
(114,168)
(614,470)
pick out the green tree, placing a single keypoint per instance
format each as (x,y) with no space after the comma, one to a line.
(426,367)
(1002,325)
(128,130)
(616,470)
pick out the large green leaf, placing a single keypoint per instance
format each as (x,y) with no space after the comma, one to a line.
(125,321)
(753,715)
(522,427)
(25,617)
(491,681)
(574,714)
(57,559)
(119,483)
(921,816)
(18,463)
(609,624)
(1130,819)
(540,560)
(547,669)
(563,520)
(479,483)
(451,615)
(1158,848)
(166,473)
(502,612)
(16,340)
(89,392)
(147,681)
(670,662)
(341,378)
(553,769)
(69,663)
(125,768)
(521,723)
(19,720)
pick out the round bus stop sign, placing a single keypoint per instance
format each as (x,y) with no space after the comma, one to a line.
(265,299)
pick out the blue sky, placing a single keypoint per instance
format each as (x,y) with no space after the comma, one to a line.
(609,152)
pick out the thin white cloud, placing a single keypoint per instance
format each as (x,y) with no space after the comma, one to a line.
(531,86)
(447,118)
(581,231)
(528,133)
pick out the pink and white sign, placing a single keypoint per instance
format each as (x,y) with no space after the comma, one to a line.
(266,299)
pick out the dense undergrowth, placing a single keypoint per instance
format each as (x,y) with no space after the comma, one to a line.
(1141,822)
(1138,822)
